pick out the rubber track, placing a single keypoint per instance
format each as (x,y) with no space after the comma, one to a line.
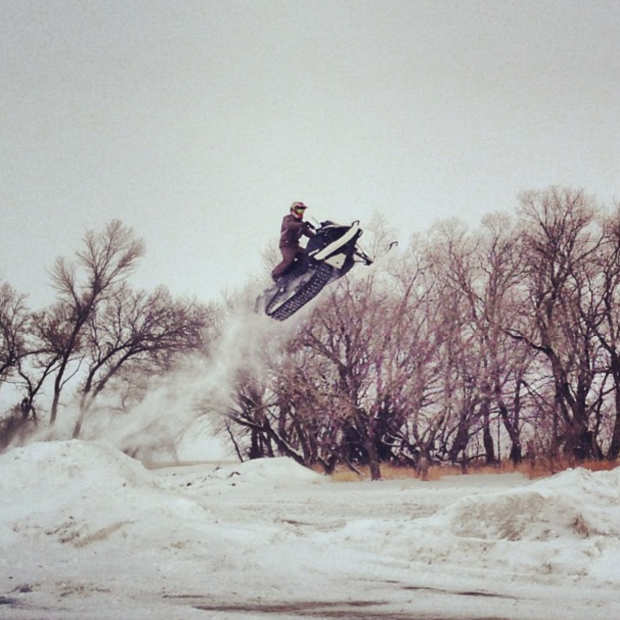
(308,292)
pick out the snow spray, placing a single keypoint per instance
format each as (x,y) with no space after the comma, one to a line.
(182,413)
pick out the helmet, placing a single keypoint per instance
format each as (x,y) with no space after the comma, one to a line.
(298,208)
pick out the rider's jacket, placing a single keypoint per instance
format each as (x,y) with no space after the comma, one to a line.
(291,231)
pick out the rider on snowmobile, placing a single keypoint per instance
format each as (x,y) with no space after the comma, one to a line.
(291,231)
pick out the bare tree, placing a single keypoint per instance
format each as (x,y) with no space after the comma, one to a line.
(40,360)
(14,319)
(356,332)
(451,255)
(266,415)
(607,329)
(410,357)
(103,264)
(139,329)
(492,294)
(560,242)
(507,362)
(13,328)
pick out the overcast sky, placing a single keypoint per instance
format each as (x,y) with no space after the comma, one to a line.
(198,122)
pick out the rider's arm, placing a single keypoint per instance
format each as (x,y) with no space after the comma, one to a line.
(308,229)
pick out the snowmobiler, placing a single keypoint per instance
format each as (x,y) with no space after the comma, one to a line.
(292,229)
(331,252)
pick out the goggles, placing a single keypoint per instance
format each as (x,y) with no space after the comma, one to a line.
(299,210)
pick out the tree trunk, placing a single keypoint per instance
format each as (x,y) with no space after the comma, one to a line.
(614,446)
(516,451)
(367,435)
(460,441)
(487,437)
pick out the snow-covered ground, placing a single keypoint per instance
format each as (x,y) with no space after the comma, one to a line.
(88,533)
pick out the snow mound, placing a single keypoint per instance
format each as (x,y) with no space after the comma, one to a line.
(278,472)
(63,463)
(574,504)
(85,493)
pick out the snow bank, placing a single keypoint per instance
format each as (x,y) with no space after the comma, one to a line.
(554,531)
(80,493)
(576,504)
(277,472)
(82,524)
(55,465)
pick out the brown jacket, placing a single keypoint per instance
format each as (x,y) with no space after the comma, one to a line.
(291,231)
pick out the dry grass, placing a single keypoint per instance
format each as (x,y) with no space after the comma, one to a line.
(537,469)
(547,467)
(392,472)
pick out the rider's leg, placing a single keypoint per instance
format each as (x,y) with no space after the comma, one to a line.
(288,257)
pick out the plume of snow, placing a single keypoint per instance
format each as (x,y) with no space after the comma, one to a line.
(178,417)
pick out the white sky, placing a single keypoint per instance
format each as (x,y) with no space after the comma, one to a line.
(198,122)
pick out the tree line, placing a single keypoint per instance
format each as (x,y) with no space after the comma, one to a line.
(496,343)
(501,342)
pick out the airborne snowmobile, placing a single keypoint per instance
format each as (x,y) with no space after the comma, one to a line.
(329,255)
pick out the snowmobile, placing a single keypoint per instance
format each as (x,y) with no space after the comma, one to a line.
(329,255)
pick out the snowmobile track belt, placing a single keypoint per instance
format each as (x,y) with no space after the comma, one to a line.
(308,292)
